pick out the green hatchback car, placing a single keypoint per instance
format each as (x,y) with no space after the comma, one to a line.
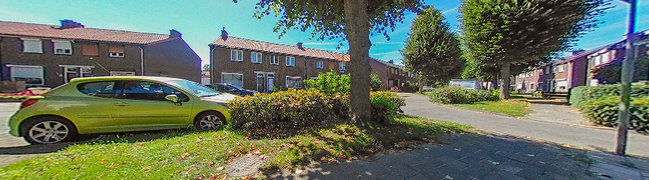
(118,104)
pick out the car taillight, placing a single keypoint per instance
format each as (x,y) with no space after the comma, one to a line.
(28,103)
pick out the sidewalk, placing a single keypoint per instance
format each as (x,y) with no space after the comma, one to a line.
(479,156)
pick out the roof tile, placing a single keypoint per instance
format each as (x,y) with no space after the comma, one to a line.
(240,43)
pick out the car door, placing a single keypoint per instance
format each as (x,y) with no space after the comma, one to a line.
(93,108)
(142,106)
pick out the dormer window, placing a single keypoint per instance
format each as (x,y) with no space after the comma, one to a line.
(62,47)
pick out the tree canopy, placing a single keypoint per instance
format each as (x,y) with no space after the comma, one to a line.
(431,48)
(513,34)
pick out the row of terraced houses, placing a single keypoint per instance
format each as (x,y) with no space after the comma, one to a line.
(50,55)
(583,68)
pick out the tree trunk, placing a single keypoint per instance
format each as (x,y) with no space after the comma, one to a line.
(504,76)
(357,29)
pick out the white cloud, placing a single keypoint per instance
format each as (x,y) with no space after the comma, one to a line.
(449,11)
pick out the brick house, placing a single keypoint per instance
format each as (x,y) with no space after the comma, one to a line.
(559,76)
(392,75)
(265,66)
(47,55)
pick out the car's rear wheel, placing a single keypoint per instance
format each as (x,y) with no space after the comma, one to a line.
(209,121)
(48,130)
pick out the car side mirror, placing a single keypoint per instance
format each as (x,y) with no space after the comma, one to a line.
(173,98)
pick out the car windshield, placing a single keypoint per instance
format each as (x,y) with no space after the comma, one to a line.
(193,87)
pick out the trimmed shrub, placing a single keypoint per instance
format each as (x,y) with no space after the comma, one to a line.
(604,111)
(287,112)
(459,95)
(375,82)
(581,94)
(329,82)
(385,106)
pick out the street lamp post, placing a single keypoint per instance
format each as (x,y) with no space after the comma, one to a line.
(626,79)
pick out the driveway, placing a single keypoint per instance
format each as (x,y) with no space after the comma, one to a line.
(588,138)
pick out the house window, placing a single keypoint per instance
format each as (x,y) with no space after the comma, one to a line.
(342,67)
(255,57)
(290,61)
(318,65)
(235,79)
(62,47)
(116,51)
(547,69)
(274,59)
(293,82)
(90,50)
(75,71)
(236,55)
(32,75)
(32,46)
(560,68)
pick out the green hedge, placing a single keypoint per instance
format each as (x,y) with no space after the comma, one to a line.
(604,111)
(582,94)
(459,95)
(286,113)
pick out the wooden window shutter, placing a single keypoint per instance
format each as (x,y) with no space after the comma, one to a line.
(332,65)
(116,49)
(90,50)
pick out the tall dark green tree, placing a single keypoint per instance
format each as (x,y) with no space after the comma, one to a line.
(512,34)
(432,48)
(352,21)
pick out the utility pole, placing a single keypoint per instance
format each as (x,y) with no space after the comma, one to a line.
(624,113)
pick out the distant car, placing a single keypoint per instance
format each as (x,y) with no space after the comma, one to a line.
(466,83)
(118,104)
(229,88)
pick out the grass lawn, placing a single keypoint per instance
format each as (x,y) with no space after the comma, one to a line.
(186,154)
(512,107)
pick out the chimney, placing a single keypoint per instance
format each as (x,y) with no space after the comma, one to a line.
(224,34)
(575,52)
(66,23)
(391,61)
(299,45)
(174,33)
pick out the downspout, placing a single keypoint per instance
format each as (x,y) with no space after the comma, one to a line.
(1,65)
(141,60)
(211,64)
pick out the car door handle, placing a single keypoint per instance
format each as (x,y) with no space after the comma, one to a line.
(121,104)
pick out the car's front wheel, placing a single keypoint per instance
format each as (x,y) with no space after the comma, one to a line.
(209,121)
(48,130)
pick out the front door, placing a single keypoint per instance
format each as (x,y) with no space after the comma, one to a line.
(142,106)
(271,82)
(261,82)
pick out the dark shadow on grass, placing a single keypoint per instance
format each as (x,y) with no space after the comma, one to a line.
(467,156)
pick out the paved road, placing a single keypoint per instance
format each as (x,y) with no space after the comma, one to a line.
(589,138)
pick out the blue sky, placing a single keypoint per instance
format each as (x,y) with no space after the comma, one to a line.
(200,21)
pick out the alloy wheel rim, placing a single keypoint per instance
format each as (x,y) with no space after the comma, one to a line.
(47,132)
(210,122)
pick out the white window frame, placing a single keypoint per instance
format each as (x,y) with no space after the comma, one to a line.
(319,64)
(28,42)
(122,73)
(62,45)
(256,57)
(116,54)
(12,76)
(290,61)
(81,67)
(274,59)
(238,57)
(301,79)
(240,74)
(342,67)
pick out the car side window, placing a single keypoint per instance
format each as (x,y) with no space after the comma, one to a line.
(104,89)
(144,90)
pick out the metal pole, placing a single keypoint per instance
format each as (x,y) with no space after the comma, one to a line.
(626,79)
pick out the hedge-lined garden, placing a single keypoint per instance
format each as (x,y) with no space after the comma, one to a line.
(600,104)
(483,100)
